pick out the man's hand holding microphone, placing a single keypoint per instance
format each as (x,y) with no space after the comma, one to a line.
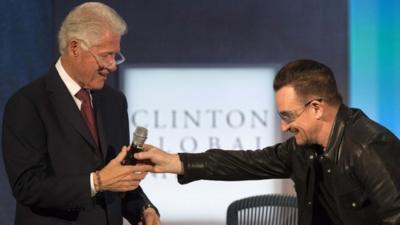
(124,173)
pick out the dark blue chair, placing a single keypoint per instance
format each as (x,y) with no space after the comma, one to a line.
(270,209)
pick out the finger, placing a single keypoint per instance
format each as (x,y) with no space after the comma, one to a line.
(136,169)
(140,175)
(127,185)
(131,179)
(130,184)
(131,187)
(142,168)
(121,155)
(147,147)
(143,155)
(135,177)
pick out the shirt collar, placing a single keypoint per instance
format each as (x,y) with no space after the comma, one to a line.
(72,86)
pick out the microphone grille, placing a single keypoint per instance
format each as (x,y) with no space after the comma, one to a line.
(140,135)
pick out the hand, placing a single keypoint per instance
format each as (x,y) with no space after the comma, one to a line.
(163,162)
(120,178)
(150,217)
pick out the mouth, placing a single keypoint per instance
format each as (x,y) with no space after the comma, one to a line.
(103,73)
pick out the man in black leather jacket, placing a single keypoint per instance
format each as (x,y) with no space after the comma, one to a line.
(345,166)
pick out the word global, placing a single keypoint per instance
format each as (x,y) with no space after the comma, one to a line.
(194,144)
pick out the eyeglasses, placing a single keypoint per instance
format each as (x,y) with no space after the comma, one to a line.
(106,60)
(290,116)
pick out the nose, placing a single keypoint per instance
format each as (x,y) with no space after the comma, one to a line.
(284,126)
(111,65)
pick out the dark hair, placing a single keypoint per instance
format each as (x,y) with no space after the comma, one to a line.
(309,78)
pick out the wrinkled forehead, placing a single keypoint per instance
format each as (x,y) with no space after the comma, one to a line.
(287,99)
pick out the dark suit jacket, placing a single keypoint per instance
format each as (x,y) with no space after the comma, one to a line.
(49,154)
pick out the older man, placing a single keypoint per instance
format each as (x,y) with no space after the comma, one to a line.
(64,134)
(345,166)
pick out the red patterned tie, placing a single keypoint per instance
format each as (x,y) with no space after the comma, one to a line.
(87,112)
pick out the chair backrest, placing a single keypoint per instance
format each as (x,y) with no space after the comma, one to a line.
(272,209)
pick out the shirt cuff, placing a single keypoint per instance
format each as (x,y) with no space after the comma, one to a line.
(92,189)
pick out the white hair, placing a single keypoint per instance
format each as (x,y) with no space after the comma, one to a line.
(88,22)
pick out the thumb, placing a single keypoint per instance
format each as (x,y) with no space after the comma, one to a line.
(121,155)
(147,147)
(142,155)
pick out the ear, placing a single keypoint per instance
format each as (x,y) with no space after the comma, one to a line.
(318,109)
(73,48)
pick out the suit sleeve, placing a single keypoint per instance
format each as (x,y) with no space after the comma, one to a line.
(28,165)
(133,205)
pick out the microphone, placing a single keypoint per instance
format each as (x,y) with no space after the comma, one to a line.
(139,137)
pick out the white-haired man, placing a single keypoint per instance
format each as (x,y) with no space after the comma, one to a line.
(64,134)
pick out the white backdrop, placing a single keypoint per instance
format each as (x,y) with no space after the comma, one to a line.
(192,110)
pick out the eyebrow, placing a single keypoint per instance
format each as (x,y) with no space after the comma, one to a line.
(286,112)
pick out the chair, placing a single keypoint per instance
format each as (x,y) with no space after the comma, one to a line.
(271,209)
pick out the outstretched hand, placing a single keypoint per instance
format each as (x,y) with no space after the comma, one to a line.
(163,162)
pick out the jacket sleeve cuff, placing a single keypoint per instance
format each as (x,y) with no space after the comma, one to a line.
(194,165)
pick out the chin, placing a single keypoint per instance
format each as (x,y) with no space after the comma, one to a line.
(300,141)
(97,85)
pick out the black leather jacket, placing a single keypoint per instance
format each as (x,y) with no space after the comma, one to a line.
(365,173)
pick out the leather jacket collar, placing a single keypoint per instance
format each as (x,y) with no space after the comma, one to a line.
(336,136)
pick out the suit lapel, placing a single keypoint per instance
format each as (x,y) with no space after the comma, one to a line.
(66,107)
